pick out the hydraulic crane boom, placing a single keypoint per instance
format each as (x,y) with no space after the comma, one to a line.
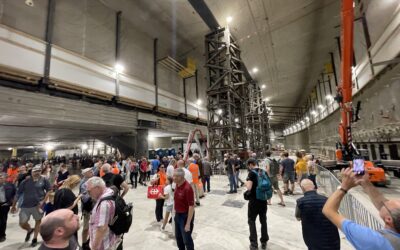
(344,95)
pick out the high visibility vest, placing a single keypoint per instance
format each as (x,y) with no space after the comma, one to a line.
(194,169)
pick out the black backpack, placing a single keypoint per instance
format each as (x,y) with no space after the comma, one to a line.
(273,167)
(122,220)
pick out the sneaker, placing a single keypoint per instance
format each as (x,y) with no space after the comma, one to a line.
(286,193)
(34,243)
(28,235)
(242,184)
(197,203)
(2,239)
(263,246)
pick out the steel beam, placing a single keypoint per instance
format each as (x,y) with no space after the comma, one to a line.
(49,40)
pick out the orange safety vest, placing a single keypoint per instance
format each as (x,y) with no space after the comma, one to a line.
(163,178)
(114,170)
(194,169)
(12,175)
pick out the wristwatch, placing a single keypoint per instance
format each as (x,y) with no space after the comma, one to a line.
(342,189)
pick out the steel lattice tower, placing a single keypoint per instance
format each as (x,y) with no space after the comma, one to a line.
(226,94)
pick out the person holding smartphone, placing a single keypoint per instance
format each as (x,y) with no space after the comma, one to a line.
(359,236)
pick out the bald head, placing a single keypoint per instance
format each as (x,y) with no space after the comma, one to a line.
(307,185)
(59,225)
(390,214)
(181,164)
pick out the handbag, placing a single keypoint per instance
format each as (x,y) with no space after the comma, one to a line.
(153,192)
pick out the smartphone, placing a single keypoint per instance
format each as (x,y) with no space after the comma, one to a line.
(358,166)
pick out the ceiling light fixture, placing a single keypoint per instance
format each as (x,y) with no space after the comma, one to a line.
(84,146)
(254,70)
(48,146)
(321,107)
(266,99)
(263,86)
(9,149)
(236,119)
(229,19)
(119,68)
(219,111)
(199,102)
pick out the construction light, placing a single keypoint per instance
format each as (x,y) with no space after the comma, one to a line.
(307,118)
(329,97)
(321,107)
(150,138)
(9,149)
(229,19)
(199,102)
(266,99)
(314,113)
(219,111)
(48,146)
(236,119)
(84,146)
(119,68)
(263,86)
(254,70)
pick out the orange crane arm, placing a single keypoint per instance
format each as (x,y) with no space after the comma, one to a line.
(345,88)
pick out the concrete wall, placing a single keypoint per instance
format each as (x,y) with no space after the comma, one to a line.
(88,28)
(160,142)
(379,120)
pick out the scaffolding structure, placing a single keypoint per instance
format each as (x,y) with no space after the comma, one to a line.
(236,112)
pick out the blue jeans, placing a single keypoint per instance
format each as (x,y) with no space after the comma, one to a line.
(232,182)
(238,179)
(183,239)
(206,179)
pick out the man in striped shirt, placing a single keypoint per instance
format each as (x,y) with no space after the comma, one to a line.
(101,237)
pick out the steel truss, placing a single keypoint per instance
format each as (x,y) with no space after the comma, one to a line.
(236,112)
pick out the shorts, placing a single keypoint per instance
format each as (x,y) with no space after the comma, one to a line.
(25,214)
(169,208)
(288,177)
(275,183)
(86,218)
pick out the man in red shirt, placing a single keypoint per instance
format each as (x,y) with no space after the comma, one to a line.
(184,207)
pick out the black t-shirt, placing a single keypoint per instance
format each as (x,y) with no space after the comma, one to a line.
(229,164)
(73,245)
(64,198)
(113,179)
(62,176)
(254,178)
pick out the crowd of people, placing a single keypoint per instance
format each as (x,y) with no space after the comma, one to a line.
(47,194)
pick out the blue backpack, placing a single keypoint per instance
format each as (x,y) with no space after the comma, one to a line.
(264,186)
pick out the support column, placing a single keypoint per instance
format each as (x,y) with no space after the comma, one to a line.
(142,143)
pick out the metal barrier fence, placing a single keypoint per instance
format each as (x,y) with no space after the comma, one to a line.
(350,206)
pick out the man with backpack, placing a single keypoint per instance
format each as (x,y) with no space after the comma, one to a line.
(259,191)
(272,167)
(111,217)
(112,179)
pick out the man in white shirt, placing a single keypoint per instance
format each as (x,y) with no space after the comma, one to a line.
(188,175)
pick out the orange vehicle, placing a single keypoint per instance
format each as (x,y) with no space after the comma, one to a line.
(345,149)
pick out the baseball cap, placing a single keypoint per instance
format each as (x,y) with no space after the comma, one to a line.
(37,167)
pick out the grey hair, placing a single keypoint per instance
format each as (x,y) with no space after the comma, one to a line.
(106,168)
(180,172)
(96,182)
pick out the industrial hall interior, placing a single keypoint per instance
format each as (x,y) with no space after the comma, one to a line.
(200,124)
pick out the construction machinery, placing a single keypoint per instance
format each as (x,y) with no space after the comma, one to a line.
(345,149)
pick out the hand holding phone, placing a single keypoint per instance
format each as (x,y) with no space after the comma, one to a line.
(358,166)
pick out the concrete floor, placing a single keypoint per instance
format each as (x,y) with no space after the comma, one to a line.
(217,226)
